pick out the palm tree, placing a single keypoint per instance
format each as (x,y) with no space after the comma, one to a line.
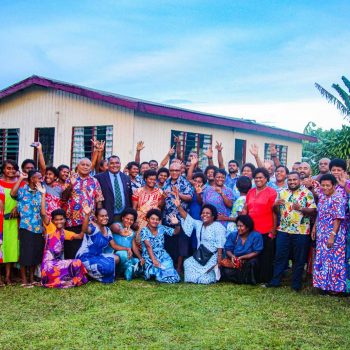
(344,105)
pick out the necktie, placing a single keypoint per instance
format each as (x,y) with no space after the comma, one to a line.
(117,194)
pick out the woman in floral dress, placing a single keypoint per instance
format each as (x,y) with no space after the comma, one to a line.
(330,231)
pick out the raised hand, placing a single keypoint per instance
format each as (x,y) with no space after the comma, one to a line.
(140,146)
(218,189)
(177,139)
(177,202)
(219,146)
(209,152)
(273,150)
(194,160)
(73,178)
(174,220)
(40,188)
(23,175)
(175,191)
(254,150)
(86,208)
(171,151)
(342,180)
(102,146)
(198,189)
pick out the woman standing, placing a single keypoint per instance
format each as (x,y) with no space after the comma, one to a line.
(259,204)
(9,246)
(146,198)
(203,265)
(158,262)
(330,231)
(219,195)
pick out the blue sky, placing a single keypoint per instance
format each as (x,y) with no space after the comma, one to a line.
(254,59)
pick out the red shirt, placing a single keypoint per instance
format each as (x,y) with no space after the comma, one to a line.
(260,208)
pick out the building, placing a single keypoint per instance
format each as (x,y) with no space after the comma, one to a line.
(64,117)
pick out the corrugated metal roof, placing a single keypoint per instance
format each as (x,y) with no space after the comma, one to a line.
(148,107)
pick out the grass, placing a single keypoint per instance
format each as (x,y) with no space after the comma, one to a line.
(141,314)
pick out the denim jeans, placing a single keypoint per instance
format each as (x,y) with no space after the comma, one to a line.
(296,244)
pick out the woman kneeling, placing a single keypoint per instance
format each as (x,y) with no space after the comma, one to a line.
(158,262)
(242,249)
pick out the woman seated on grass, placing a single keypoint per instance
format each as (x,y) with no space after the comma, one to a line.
(100,265)
(203,265)
(124,237)
(55,271)
(242,248)
(158,262)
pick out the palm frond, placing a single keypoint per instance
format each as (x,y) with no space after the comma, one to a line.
(332,99)
(343,95)
(346,82)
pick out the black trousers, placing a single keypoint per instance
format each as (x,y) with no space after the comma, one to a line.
(266,259)
(71,247)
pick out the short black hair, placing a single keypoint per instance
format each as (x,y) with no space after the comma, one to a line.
(63,166)
(131,164)
(153,160)
(156,212)
(210,167)
(201,175)
(248,165)
(297,163)
(31,173)
(149,173)
(339,163)
(9,161)
(163,170)
(58,212)
(143,163)
(294,173)
(262,171)
(244,184)
(284,167)
(214,211)
(53,170)
(247,221)
(27,161)
(220,171)
(234,161)
(328,177)
(130,211)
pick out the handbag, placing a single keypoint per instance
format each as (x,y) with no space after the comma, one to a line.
(202,255)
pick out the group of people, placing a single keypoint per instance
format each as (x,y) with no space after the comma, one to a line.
(246,224)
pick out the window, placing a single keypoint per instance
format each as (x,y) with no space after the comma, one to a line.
(240,151)
(82,145)
(281,153)
(193,142)
(9,144)
(46,136)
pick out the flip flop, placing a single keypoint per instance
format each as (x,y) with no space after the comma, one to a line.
(25,285)
(35,283)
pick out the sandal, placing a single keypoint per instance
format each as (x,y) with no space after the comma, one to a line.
(35,283)
(26,285)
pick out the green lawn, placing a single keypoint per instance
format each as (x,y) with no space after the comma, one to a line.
(142,314)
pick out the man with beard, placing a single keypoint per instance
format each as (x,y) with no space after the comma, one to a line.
(294,205)
(323,167)
(232,176)
(307,180)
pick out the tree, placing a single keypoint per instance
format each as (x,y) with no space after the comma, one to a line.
(331,144)
(344,105)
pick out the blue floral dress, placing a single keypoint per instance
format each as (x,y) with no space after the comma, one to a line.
(126,266)
(330,265)
(213,238)
(100,265)
(166,272)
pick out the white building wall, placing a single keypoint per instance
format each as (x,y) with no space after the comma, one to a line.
(40,108)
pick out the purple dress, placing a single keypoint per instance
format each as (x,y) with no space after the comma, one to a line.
(330,265)
(57,272)
(210,196)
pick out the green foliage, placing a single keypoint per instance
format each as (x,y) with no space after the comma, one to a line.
(148,315)
(331,144)
(344,105)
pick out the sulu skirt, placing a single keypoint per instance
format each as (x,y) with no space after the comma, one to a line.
(31,247)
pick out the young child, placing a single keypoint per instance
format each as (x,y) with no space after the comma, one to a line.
(124,237)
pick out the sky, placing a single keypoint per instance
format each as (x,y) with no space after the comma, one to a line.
(245,59)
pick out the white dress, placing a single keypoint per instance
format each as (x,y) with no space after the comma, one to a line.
(213,238)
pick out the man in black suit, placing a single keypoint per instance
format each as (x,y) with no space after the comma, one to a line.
(116,189)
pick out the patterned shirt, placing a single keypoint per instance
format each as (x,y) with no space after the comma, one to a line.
(84,190)
(29,205)
(53,197)
(137,183)
(294,221)
(231,182)
(184,187)
(237,207)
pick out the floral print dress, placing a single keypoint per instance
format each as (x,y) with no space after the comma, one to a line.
(55,271)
